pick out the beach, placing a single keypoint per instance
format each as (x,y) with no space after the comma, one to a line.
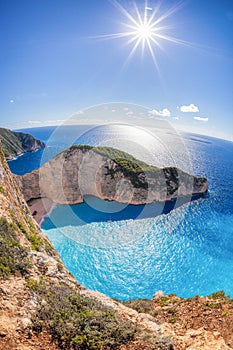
(40,207)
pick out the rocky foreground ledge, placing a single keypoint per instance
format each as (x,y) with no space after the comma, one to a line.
(109,174)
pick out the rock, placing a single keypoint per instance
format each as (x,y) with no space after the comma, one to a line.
(3,332)
(201,339)
(158,295)
(25,322)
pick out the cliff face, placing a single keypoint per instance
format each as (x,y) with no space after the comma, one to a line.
(16,143)
(108,174)
(43,307)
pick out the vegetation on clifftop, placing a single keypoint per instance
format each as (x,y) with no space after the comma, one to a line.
(77,322)
(124,159)
(214,312)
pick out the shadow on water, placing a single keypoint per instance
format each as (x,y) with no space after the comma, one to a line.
(94,209)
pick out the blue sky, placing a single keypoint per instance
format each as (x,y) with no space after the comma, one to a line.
(53,63)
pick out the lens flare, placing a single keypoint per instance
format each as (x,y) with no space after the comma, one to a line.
(145,29)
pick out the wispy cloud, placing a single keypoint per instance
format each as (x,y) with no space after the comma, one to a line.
(46,122)
(189,108)
(163,113)
(201,119)
(34,122)
(176,118)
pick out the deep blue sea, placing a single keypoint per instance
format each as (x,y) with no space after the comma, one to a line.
(130,251)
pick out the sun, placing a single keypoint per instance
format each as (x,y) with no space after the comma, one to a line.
(145,29)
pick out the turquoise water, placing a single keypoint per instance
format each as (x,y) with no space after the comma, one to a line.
(125,253)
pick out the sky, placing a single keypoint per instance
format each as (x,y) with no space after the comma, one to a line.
(57,57)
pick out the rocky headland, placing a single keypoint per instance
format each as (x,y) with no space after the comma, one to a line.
(109,174)
(16,143)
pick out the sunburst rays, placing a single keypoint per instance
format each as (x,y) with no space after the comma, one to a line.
(144,29)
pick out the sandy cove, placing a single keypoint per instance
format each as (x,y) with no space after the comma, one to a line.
(40,207)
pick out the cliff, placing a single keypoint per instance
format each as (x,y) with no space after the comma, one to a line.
(16,143)
(109,174)
(43,307)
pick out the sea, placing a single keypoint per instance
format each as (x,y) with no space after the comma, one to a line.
(130,252)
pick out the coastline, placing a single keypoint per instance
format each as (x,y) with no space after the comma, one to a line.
(40,207)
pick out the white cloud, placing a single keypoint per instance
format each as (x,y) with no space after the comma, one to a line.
(163,113)
(34,122)
(189,108)
(200,119)
(46,122)
(176,118)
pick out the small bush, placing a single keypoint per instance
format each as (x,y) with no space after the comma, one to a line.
(22,227)
(38,287)
(141,306)
(37,242)
(173,319)
(213,305)
(13,256)
(218,295)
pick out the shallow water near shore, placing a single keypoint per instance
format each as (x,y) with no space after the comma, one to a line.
(188,251)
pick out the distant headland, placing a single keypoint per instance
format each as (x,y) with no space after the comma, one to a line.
(16,143)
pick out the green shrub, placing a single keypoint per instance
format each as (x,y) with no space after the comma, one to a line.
(39,287)
(37,242)
(22,227)
(13,256)
(213,305)
(173,319)
(141,306)
(124,159)
(218,295)
(76,322)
